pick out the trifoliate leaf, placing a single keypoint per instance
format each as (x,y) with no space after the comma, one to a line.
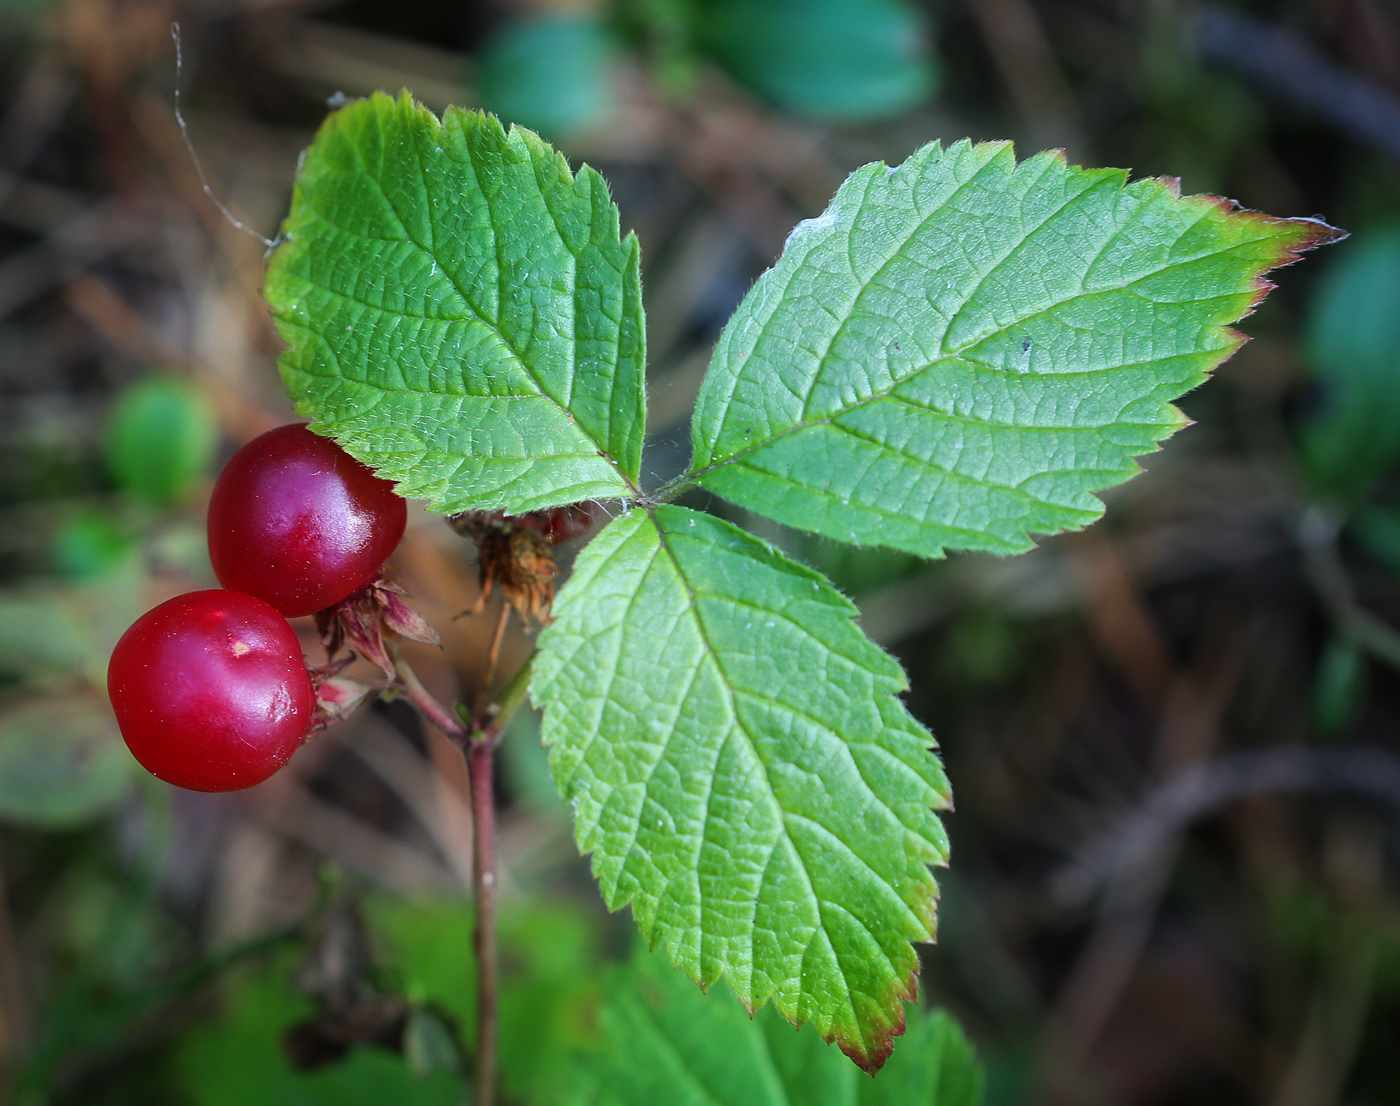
(663,1041)
(960,351)
(743,772)
(461,313)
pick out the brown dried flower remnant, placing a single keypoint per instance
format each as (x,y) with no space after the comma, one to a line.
(515,553)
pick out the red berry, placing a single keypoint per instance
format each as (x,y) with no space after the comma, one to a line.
(297,521)
(211,691)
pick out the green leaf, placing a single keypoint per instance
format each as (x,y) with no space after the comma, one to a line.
(743,772)
(663,1041)
(50,634)
(41,633)
(90,543)
(842,60)
(461,313)
(161,439)
(62,762)
(549,953)
(1354,354)
(240,1059)
(960,351)
(550,71)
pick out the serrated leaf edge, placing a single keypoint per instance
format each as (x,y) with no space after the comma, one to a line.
(871,1054)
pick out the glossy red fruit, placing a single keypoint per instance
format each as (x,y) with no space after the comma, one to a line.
(211,691)
(298,522)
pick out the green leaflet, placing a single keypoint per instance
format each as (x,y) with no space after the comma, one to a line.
(664,1042)
(743,772)
(961,350)
(460,311)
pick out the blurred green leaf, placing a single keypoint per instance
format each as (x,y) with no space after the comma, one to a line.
(1377,530)
(524,766)
(856,569)
(429,1043)
(62,762)
(48,632)
(41,631)
(89,543)
(1339,688)
(238,1059)
(982,649)
(425,949)
(663,1041)
(1354,355)
(841,60)
(161,439)
(665,31)
(549,956)
(550,71)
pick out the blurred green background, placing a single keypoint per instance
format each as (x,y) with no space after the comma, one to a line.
(1174,739)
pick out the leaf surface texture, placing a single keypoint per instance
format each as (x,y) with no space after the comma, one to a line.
(461,312)
(961,350)
(742,771)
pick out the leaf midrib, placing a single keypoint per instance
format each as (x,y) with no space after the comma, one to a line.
(769,792)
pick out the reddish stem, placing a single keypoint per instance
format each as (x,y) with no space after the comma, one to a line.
(479,745)
(422,700)
(480,763)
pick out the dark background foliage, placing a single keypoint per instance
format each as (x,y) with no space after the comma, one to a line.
(1173,738)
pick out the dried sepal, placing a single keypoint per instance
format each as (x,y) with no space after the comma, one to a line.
(337,698)
(367,620)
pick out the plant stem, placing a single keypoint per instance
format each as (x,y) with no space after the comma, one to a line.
(478,740)
(481,751)
(493,658)
(423,702)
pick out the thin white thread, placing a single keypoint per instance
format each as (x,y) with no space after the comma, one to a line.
(199,165)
